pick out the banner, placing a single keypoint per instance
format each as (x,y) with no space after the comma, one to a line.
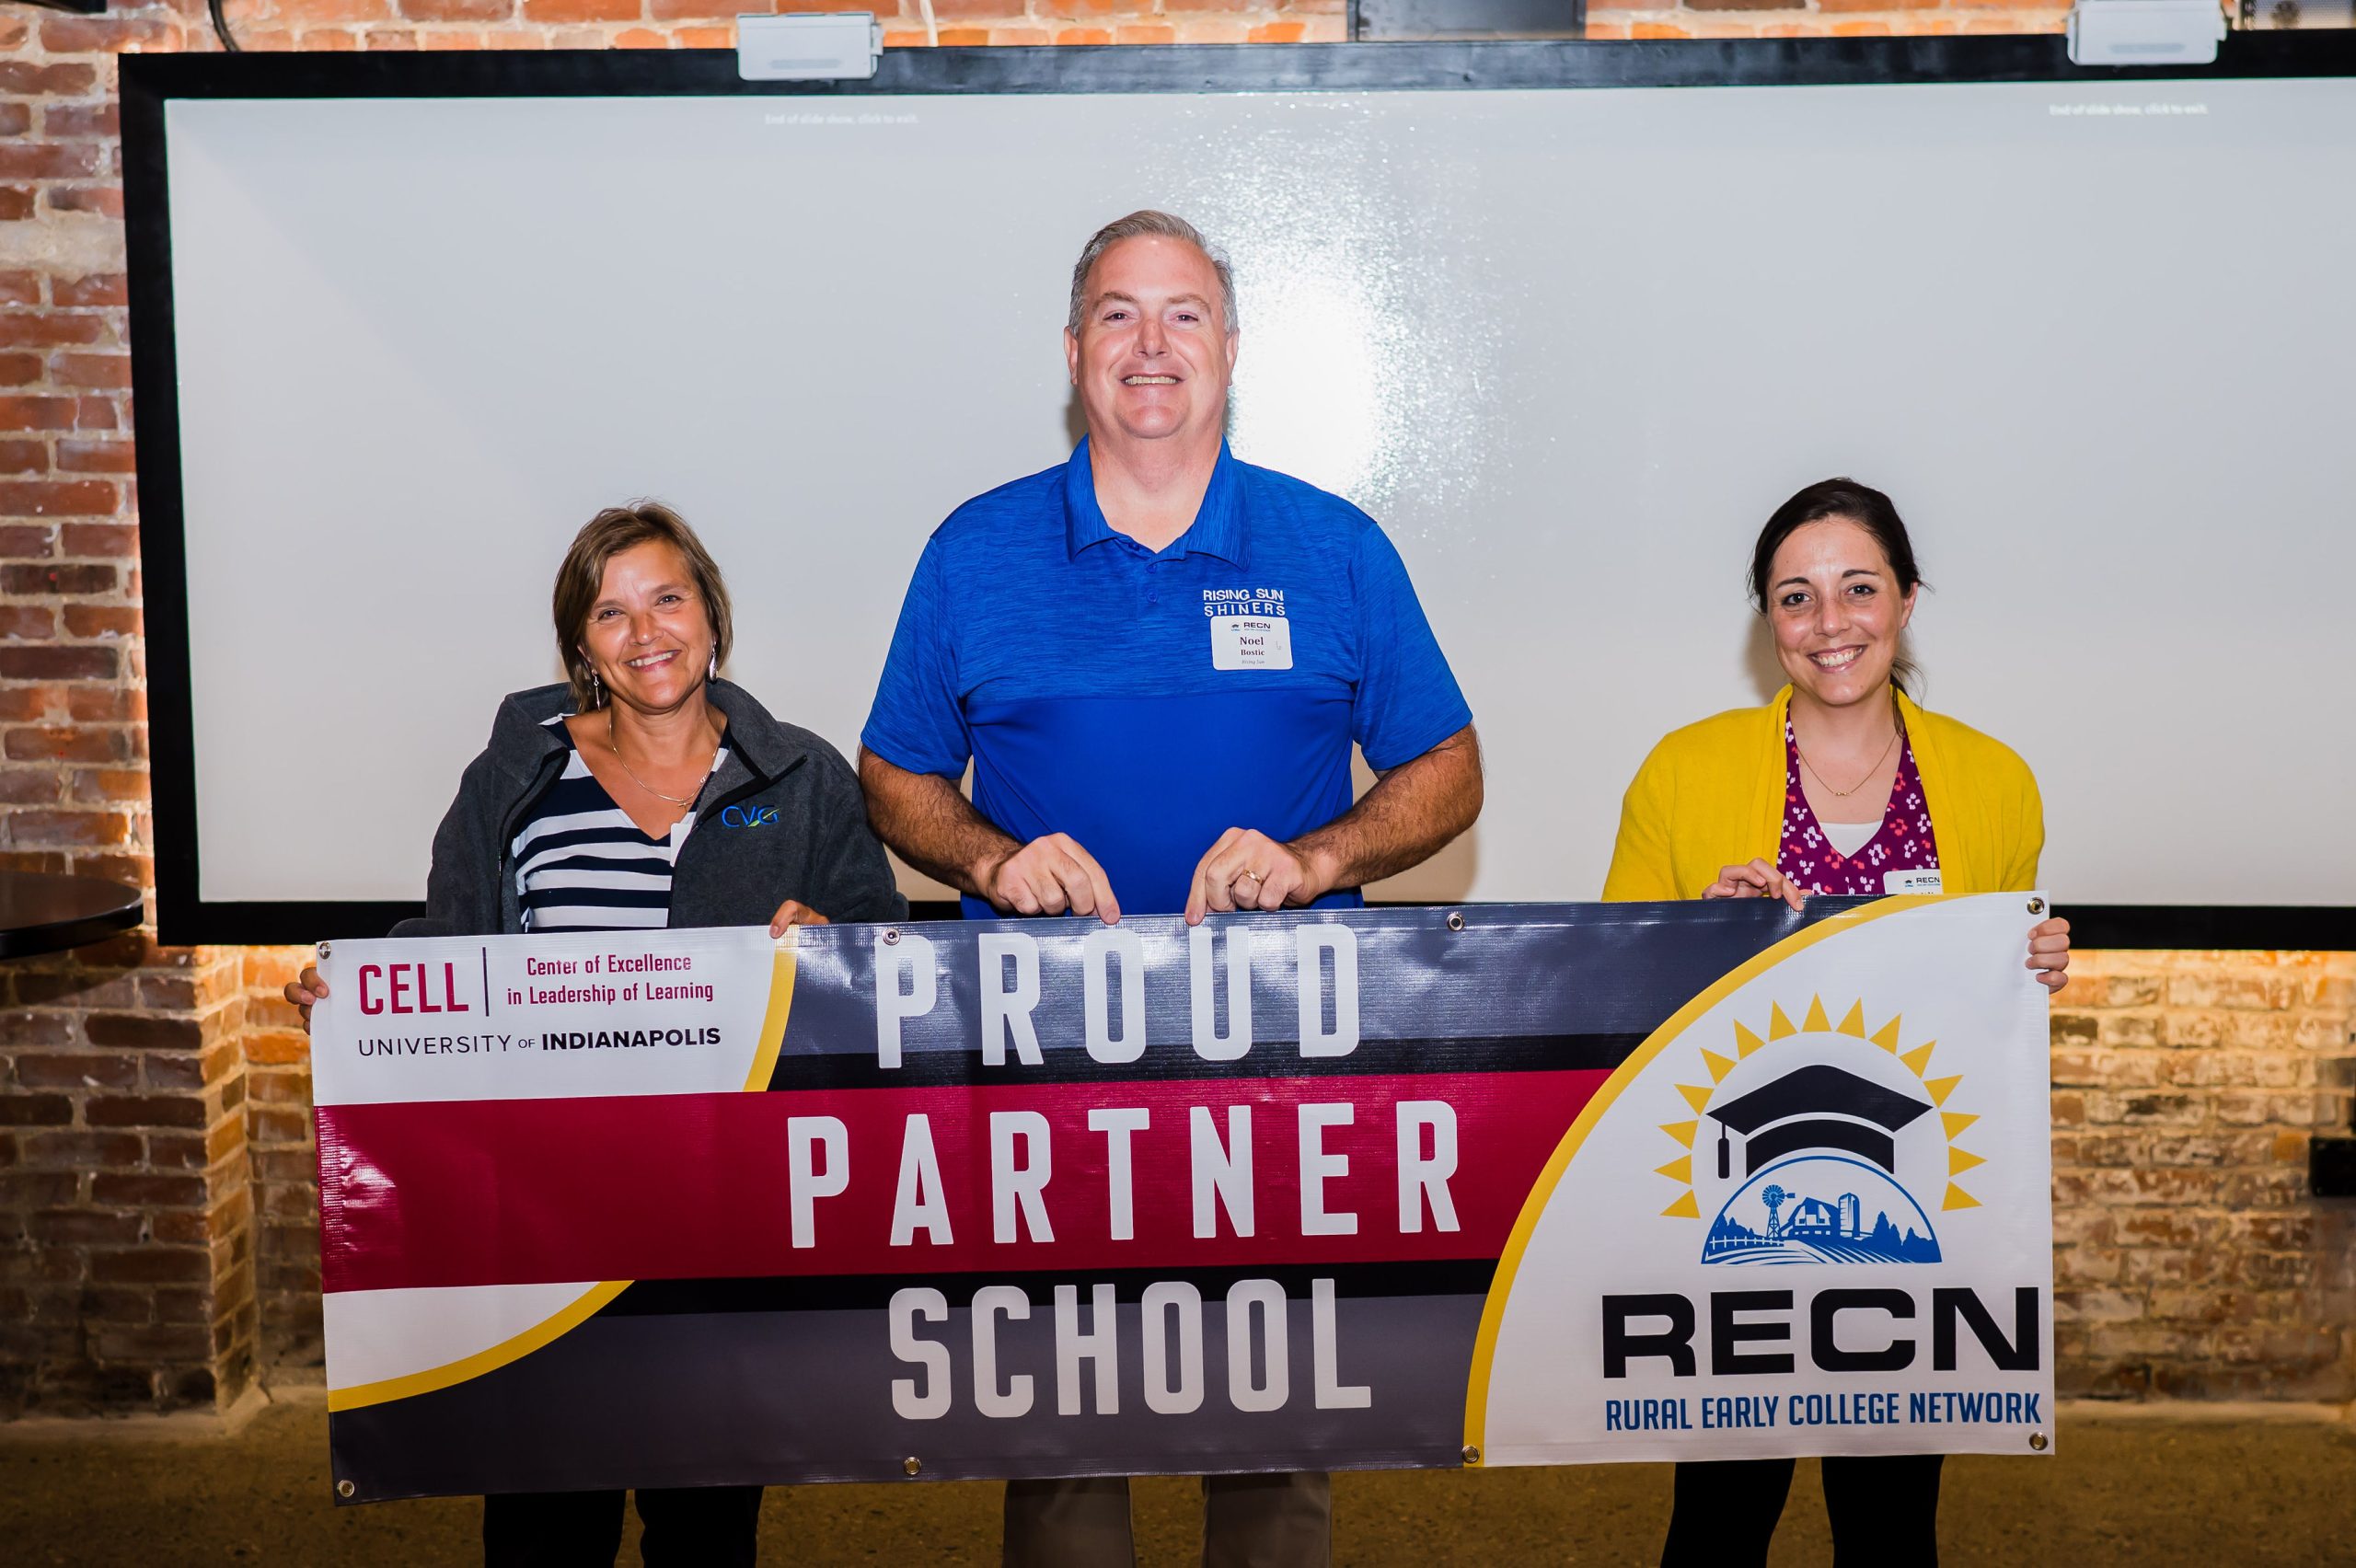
(1403,1187)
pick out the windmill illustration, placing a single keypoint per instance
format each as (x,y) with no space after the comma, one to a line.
(1774,1197)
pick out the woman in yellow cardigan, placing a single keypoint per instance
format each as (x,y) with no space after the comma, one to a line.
(1842,784)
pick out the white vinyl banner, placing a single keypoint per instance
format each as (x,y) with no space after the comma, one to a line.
(1810,1216)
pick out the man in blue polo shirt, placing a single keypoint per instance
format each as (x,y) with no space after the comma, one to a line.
(1156,659)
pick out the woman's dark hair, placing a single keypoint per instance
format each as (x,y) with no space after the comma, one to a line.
(582,576)
(1867,507)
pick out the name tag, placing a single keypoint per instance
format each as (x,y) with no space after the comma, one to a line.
(1911,881)
(1247,642)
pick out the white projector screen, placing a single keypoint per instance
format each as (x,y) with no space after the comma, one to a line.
(1571,347)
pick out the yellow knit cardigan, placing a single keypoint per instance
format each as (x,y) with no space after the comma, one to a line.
(1710,795)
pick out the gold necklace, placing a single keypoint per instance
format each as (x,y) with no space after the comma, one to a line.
(1896,730)
(613,744)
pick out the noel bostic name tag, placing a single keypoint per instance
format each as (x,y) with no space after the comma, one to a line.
(1505,1184)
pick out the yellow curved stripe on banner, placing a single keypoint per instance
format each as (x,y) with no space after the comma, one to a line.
(514,1349)
(1476,1393)
(780,1004)
(555,1327)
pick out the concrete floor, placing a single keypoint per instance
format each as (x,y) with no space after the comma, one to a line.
(2246,1489)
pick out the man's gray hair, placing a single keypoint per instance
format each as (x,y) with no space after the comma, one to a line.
(1136,226)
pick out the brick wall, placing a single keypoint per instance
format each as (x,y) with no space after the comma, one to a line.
(157,1211)
(2189,1259)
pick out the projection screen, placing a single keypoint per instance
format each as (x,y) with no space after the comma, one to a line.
(1569,343)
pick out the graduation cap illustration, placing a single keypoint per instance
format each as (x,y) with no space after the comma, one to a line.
(1818,1106)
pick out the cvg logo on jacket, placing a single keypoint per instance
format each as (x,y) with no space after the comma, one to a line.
(748,816)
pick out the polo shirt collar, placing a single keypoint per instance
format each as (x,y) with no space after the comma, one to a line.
(1217,529)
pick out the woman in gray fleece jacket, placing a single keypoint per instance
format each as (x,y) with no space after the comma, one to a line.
(641,791)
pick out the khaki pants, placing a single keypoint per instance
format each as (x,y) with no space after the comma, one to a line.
(1249,1521)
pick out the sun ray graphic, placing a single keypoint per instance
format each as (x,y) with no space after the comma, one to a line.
(1817,1019)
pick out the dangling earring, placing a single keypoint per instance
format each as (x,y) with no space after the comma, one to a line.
(711,670)
(596,691)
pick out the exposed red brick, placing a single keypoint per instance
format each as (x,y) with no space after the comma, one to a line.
(140,1191)
(20,288)
(94,35)
(109,371)
(15,118)
(279,1123)
(103,704)
(95,290)
(20,370)
(172,1073)
(17,202)
(80,120)
(64,829)
(151,1265)
(76,456)
(76,1069)
(36,414)
(582,10)
(48,160)
(20,1030)
(64,577)
(28,787)
(62,744)
(19,704)
(28,620)
(271,1048)
(80,540)
(143,1110)
(83,1227)
(143,1032)
(28,541)
(35,1110)
(132,870)
(46,81)
(87,661)
(104,199)
(38,1188)
(102,620)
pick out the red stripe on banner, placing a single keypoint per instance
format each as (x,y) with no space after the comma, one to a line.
(708,1187)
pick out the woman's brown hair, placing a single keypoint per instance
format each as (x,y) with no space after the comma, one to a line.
(582,576)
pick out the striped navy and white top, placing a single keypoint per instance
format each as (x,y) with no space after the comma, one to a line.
(581,863)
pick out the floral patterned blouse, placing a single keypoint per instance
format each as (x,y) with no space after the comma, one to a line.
(1904,843)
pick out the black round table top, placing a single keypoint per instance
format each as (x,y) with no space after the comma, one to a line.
(42,913)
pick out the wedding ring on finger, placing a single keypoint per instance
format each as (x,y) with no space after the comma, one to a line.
(1252,877)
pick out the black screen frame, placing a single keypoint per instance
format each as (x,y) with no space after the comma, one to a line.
(149,82)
